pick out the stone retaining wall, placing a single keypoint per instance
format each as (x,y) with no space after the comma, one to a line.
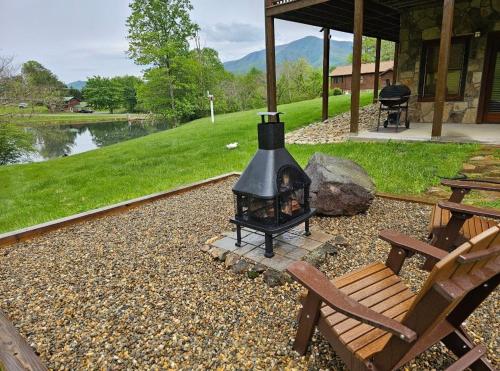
(425,24)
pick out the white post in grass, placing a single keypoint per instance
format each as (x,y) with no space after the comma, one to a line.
(211,98)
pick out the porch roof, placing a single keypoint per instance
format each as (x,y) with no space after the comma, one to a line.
(381,17)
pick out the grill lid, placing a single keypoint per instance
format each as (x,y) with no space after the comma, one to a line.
(394,91)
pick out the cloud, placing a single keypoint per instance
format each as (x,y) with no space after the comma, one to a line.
(233,32)
(96,42)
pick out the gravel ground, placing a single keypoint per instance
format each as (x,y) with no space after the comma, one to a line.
(335,129)
(134,291)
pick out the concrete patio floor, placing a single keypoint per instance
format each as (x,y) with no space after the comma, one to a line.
(421,132)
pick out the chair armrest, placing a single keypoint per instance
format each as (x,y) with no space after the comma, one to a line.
(469,210)
(477,184)
(412,245)
(314,280)
(15,353)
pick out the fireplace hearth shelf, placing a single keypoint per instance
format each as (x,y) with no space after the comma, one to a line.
(279,228)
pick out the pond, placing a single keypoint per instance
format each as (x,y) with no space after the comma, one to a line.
(52,141)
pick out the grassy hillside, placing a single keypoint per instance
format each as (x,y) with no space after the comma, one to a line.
(38,192)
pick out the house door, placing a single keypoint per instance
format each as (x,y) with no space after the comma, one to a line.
(492,90)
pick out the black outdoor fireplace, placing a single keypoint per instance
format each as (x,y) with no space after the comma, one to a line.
(272,194)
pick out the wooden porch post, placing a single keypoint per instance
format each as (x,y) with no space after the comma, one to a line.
(326,71)
(442,74)
(396,64)
(377,70)
(270,65)
(356,64)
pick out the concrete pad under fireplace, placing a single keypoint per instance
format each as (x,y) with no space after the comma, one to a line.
(289,247)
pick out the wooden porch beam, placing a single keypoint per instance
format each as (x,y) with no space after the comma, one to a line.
(326,72)
(341,16)
(377,70)
(339,25)
(396,64)
(442,74)
(274,10)
(271,66)
(356,64)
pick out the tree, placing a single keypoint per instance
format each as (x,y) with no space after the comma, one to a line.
(298,81)
(15,141)
(160,82)
(103,93)
(209,72)
(40,86)
(6,75)
(159,33)
(368,50)
(128,90)
(252,92)
(37,75)
(72,92)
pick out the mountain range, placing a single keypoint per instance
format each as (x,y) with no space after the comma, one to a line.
(310,48)
(79,85)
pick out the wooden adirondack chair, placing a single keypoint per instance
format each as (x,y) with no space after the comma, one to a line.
(453,223)
(374,322)
(15,353)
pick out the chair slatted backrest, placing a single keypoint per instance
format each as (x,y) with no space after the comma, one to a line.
(464,269)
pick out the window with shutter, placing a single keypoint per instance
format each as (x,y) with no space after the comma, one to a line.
(492,81)
(494,102)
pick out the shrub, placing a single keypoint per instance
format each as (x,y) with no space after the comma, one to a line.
(337,91)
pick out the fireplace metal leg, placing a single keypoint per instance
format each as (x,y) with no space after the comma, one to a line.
(269,246)
(238,236)
(307,231)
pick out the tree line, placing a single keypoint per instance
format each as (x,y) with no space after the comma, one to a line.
(178,72)
(180,94)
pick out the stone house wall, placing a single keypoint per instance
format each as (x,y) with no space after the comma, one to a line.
(425,24)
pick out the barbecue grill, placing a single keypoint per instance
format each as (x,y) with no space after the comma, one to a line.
(393,99)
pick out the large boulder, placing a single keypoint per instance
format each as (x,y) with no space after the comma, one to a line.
(339,186)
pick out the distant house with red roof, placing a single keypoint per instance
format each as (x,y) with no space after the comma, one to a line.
(70,103)
(341,76)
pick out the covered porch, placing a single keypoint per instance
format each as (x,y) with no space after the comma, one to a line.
(389,20)
(421,132)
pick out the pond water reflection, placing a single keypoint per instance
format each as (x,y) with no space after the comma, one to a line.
(65,140)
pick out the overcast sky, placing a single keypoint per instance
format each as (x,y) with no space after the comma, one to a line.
(77,39)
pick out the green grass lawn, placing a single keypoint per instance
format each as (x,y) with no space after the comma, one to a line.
(38,192)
